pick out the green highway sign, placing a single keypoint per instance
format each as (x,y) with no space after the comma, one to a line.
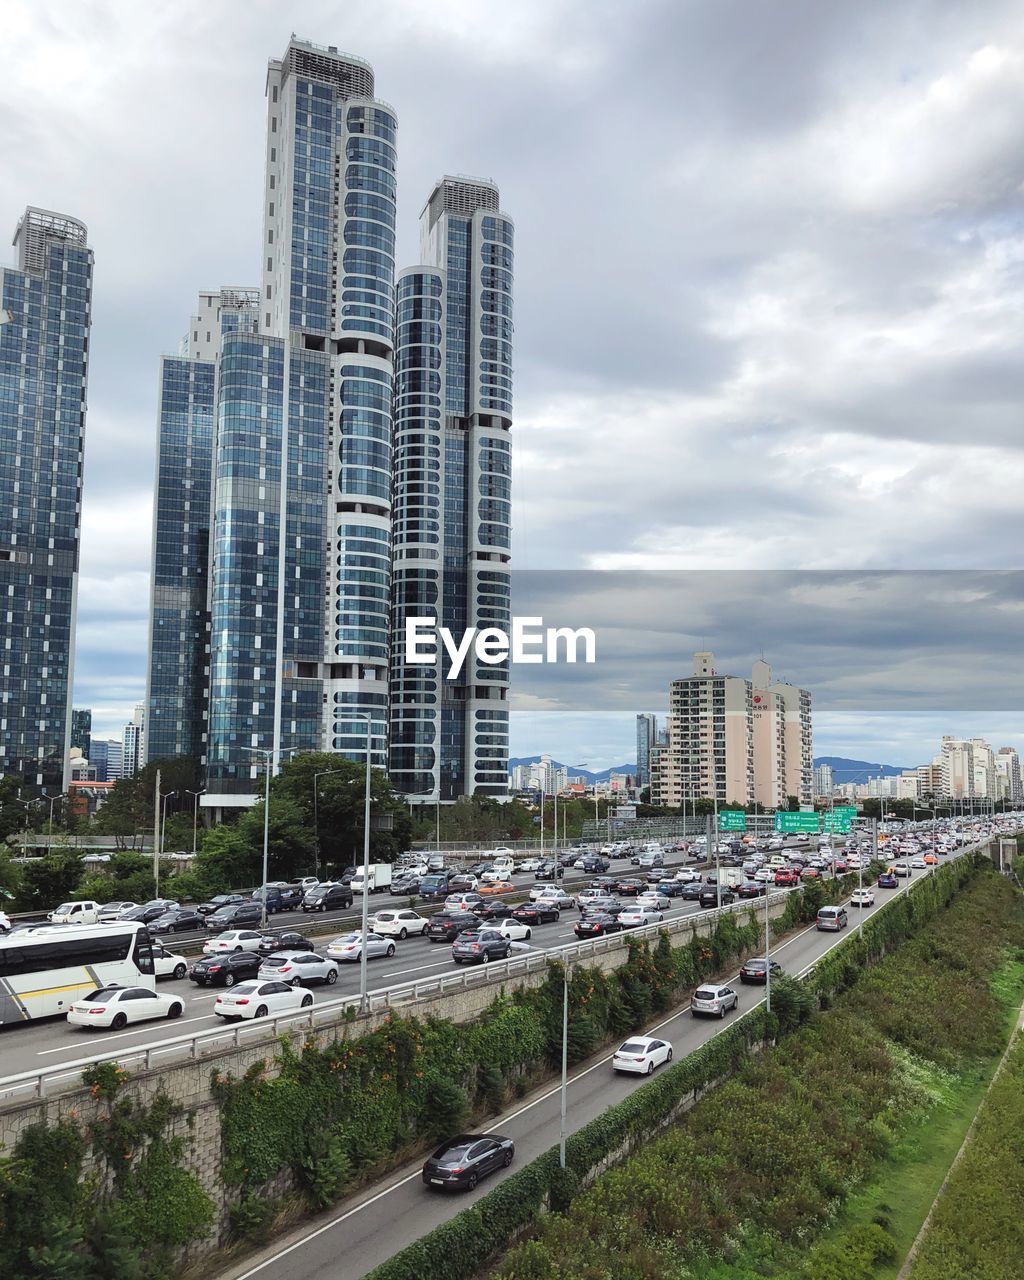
(793,822)
(837,823)
(845,810)
(732,820)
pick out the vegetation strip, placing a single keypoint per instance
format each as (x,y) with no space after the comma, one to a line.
(976,1227)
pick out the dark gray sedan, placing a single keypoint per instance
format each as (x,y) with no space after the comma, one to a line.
(460,1163)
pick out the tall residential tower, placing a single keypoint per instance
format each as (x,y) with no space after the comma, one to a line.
(44,360)
(453,488)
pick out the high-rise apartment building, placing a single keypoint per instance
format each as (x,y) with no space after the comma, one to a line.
(783,739)
(823,780)
(81,731)
(45,315)
(179,620)
(646,738)
(453,478)
(710,730)
(1008,775)
(107,759)
(133,742)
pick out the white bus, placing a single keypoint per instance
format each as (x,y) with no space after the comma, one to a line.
(43,970)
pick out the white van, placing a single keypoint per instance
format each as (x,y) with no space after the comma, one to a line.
(75,913)
(504,865)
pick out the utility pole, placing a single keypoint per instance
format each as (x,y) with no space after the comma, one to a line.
(156,834)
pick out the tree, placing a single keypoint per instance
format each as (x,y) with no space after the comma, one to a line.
(793,804)
(47,881)
(130,806)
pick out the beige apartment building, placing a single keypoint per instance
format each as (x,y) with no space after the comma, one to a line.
(734,741)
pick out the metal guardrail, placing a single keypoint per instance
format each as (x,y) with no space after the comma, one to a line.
(190,1047)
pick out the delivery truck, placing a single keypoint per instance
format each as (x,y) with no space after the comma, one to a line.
(378,878)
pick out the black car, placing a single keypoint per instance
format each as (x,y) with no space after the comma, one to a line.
(549,871)
(327,897)
(478,946)
(670,888)
(177,921)
(755,969)
(225,970)
(604,882)
(461,1162)
(536,912)
(151,910)
(493,909)
(221,900)
(750,889)
(709,897)
(236,917)
(447,925)
(631,886)
(692,891)
(596,925)
(594,862)
(287,941)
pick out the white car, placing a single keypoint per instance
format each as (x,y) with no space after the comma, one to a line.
(260,1000)
(764,876)
(304,883)
(115,1007)
(398,924)
(862,898)
(114,911)
(632,917)
(233,940)
(502,851)
(529,864)
(166,964)
(640,1055)
(658,901)
(514,929)
(687,875)
(350,945)
(918,863)
(490,877)
(298,967)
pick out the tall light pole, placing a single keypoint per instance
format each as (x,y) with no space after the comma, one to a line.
(364,914)
(53,801)
(543,788)
(320,773)
(195,816)
(767,955)
(565,1062)
(164,797)
(268,757)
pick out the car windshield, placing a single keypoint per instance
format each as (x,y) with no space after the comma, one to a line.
(274,962)
(65,906)
(705,993)
(347,939)
(453,1155)
(246,988)
(633,1046)
(755,964)
(102,993)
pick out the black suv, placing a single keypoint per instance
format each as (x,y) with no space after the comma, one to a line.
(225,970)
(221,900)
(327,897)
(447,925)
(236,917)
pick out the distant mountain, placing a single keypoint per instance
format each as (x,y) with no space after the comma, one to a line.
(576,770)
(844,770)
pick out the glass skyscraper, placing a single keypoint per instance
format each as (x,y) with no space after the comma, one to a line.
(453,481)
(179,629)
(44,358)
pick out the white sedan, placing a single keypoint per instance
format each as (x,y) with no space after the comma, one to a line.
(350,946)
(233,940)
(657,901)
(918,863)
(562,900)
(168,965)
(260,1000)
(634,916)
(640,1055)
(298,968)
(764,875)
(530,864)
(398,924)
(115,1007)
(862,898)
(513,929)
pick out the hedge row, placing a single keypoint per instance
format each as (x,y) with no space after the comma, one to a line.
(456,1249)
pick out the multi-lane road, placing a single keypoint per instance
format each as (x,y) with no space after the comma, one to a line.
(385,1219)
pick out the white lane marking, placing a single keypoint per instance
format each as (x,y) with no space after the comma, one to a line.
(120,1035)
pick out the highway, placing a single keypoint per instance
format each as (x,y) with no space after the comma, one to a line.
(385,1220)
(31,1046)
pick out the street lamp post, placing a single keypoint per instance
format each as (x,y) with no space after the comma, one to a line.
(364,914)
(195,816)
(268,757)
(767,954)
(53,801)
(164,797)
(320,773)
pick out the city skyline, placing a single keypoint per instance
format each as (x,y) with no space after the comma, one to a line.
(933,252)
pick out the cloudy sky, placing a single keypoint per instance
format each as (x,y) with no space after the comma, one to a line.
(769,286)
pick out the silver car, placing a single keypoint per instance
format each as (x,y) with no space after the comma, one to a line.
(713,1000)
(659,901)
(298,968)
(350,945)
(632,917)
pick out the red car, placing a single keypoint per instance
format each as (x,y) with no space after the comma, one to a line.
(810,873)
(787,877)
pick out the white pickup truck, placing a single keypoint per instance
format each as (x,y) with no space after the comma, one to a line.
(75,913)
